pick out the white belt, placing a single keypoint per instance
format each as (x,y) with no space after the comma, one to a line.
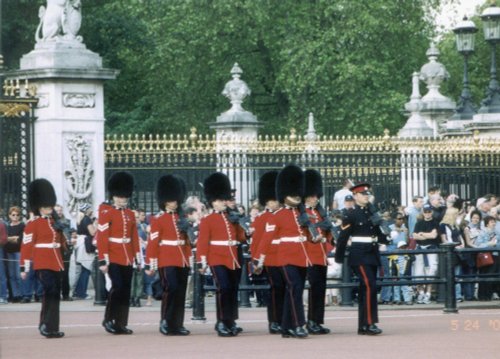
(297,239)
(275,241)
(224,243)
(363,240)
(119,240)
(48,245)
(174,242)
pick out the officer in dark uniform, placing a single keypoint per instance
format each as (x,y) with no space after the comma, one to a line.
(42,245)
(118,245)
(359,226)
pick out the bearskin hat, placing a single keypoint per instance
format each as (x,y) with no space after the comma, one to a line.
(314,184)
(217,186)
(290,182)
(267,187)
(121,184)
(170,188)
(41,194)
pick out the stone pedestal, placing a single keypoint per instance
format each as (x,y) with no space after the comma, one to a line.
(69,125)
(487,125)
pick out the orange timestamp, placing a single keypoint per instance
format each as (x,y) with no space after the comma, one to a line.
(474,325)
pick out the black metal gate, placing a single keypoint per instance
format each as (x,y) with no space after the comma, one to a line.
(16,139)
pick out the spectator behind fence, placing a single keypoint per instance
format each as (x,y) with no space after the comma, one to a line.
(427,236)
(85,251)
(470,233)
(488,239)
(12,250)
(137,286)
(339,196)
(65,225)
(450,233)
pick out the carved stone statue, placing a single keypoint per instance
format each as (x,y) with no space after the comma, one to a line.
(236,90)
(79,176)
(60,20)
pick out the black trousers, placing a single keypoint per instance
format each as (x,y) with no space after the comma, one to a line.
(277,294)
(227,282)
(65,276)
(174,283)
(293,306)
(51,298)
(117,307)
(316,275)
(367,295)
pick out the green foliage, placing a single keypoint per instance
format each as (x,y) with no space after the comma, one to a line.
(349,62)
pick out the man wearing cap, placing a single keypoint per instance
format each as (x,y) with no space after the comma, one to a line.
(217,248)
(317,251)
(364,258)
(118,246)
(426,233)
(348,203)
(285,230)
(267,198)
(42,244)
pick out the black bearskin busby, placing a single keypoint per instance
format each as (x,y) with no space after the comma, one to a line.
(267,187)
(41,194)
(290,182)
(314,184)
(170,188)
(217,186)
(121,184)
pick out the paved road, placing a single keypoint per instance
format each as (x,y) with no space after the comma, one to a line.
(417,332)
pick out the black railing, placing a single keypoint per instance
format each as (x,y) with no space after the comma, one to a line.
(446,278)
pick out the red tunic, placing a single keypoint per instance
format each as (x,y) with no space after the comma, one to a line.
(284,226)
(262,245)
(117,239)
(42,245)
(317,251)
(217,240)
(167,246)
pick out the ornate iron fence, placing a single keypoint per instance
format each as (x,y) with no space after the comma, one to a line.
(397,168)
(16,138)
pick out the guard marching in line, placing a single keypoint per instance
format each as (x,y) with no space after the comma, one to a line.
(217,249)
(118,246)
(359,225)
(41,248)
(268,199)
(168,251)
(317,251)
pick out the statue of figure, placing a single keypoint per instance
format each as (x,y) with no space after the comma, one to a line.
(60,20)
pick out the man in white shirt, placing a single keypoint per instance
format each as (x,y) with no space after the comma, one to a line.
(339,196)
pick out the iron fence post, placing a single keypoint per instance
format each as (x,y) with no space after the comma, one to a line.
(99,284)
(244,294)
(346,278)
(441,288)
(450,305)
(198,293)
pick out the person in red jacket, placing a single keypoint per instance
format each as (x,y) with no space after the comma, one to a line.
(217,248)
(42,245)
(118,246)
(288,228)
(267,198)
(317,250)
(168,251)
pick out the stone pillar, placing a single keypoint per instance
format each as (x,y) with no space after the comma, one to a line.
(235,130)
(69,125)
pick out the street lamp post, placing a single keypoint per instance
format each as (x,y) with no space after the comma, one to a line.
(491,24)
(465,39)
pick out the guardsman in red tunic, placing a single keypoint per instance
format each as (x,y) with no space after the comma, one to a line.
(317,251)
(362,226)
(42,244)
(267,198)
(168,251)
(217,248)
(118,246)
(286,228)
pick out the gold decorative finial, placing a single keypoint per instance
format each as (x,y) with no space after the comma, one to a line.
(475,137)
(193,136)
(293,135)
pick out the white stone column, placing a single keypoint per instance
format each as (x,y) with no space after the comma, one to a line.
(69,125)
